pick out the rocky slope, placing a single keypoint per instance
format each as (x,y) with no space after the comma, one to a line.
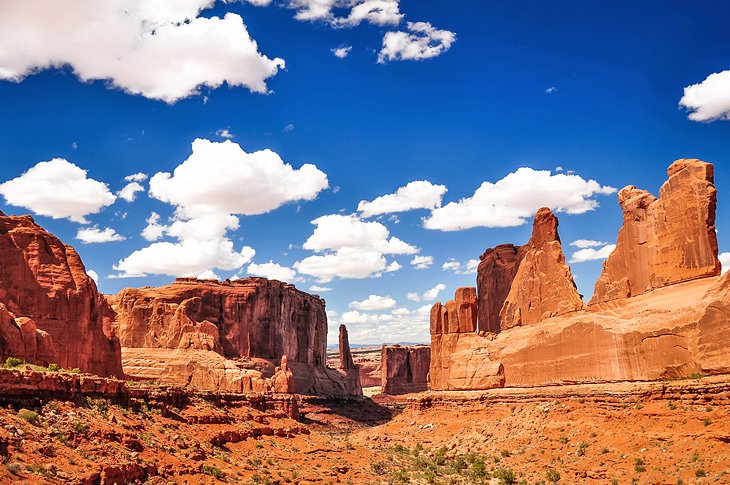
(51,311)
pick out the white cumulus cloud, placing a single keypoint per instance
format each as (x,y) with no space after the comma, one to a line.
(347,263)
(351,247)
(427,295)
(273,271)
(592,254)
(470,267)
(377,12)
(161,50)
(342,51)
(184,258)
(337,231)
(222,177)
(89,235)
(514,199)
(58,189)
(319,289)
(587,243)
(373,303)
(422,41)
(710,99)
(93,275)
(419,194)
(129,192)
(136,177)
(422,262)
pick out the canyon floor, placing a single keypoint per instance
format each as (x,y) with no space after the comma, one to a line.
(661,432)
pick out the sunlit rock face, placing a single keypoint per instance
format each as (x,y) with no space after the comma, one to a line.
(51,306)
(666,240)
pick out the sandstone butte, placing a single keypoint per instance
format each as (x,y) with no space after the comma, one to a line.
(50,309)
(227,335)
(666,240)
(207,335)
(660,310)
(404,368)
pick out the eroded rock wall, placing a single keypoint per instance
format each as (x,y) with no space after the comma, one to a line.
(404,369)
(497,269)
(667,240)
(56,309)
(216,335)
(543,286)
(251,317)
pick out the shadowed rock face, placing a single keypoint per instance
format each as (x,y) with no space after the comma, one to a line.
(497,270)
(666,240)
(350,371)
(543,286)
(51,304)
(251,317)
(404,369)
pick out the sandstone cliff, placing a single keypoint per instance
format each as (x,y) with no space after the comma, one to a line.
(251,317)
(497,269)
(51,305)
(543,286)
(666,240)
(227,336)
(659,311)
(451,364)
(404,369)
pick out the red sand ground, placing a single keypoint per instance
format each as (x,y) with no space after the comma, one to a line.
(610,433)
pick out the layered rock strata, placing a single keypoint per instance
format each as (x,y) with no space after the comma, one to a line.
(404,369)
(543,285)
(251,317)
(495,273)
(663,240)
(52,311)
(227,336)
(660,311)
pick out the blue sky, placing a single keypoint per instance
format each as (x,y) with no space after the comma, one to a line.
(491,87)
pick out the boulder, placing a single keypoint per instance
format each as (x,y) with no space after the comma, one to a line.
(663,241)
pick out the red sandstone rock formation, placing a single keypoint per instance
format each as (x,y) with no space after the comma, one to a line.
(456,316)
(253,317)
(204,334)
(543,286)
(404,369)
(452,325)
(347,364)
(681,327)
(346,361)
(666,240)
(283,380)
(56,309)
(497,270)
